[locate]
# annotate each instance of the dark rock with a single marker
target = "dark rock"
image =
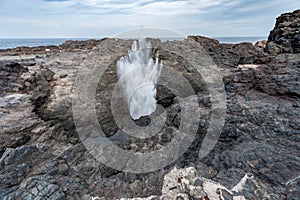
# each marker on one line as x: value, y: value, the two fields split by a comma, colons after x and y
x: 17, y: 121
x: 10, y: 78
x: 15, y: 165
x: 295, y: 43
x: 69, y: 45
x: 205, y: 42
x: 77, y: 44
x: 143, y: 121
x: 285, y: 36
x: 41, y: 88
x: 273, y: 48
x: 226, y: 55
x: 165, y: 97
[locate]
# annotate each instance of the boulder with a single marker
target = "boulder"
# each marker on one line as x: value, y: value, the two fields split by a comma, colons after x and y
x: 285, y: 37
x: 261, y: 44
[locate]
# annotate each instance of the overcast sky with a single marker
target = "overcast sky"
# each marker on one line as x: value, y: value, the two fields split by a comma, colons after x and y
x: 101, y: 18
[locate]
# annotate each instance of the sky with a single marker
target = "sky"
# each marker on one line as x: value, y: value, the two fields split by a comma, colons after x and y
x: 107, y: 18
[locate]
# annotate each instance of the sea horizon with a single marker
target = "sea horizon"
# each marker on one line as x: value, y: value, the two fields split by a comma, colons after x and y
x: 6, y: 43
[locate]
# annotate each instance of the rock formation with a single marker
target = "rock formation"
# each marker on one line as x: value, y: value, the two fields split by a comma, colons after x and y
x: 285, y: 37
x: 42, y: 157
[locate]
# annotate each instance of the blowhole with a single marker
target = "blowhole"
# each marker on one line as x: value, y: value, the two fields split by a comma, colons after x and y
x: 143, y: 121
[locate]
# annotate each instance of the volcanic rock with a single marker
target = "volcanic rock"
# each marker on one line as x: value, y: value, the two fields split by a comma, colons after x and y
x: 285, y: 37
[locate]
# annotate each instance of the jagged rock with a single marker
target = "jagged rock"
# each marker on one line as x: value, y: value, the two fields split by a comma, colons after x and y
x: 187, y: 183
x: 17, y: 121
x: 226, y: 55
x: 285, y: 37
x: 206, y: 42
x: 273, y: 48
x: 39, y: 188
x: 69, y: 45
x: 85, y: 44
x: 9, y: 77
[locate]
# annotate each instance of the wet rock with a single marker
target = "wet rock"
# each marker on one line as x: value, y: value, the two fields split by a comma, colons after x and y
x: 165, y: 97
x: 15, y: 165
x: 17, y: 121
x: 39, y: 188
x: 9, y: 78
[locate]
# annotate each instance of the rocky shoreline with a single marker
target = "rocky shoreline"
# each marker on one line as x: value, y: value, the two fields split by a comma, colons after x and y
x: 256, y: 157
x: 69, y: 45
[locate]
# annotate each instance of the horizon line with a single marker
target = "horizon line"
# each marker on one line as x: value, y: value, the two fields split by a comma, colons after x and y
x: 129, y: 37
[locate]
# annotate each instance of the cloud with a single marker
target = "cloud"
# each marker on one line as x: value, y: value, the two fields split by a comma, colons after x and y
x: 143, y: 7
x: 175, y: 8
x: 97, y: 18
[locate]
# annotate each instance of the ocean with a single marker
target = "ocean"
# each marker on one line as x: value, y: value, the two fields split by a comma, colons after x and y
x: 240, y: 39
x: 31, y: 42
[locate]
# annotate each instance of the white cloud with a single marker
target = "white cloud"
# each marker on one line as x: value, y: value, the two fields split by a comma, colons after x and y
x: 175, y: 7
x: 96, y: 18
x: 147, y: 7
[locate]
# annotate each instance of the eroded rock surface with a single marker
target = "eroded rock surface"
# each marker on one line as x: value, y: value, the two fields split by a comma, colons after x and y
x: 285, y: 37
